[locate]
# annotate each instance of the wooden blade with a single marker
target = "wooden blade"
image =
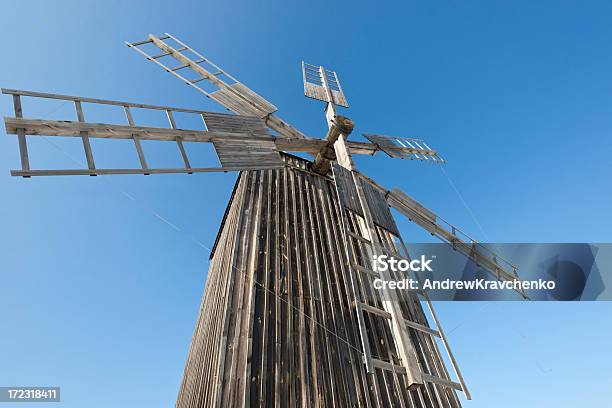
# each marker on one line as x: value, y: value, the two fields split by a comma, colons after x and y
x: 318, y: 81
x: 241, y: 142
x: 404, y: 148
x: 229, y: 92
x: 502, y: 269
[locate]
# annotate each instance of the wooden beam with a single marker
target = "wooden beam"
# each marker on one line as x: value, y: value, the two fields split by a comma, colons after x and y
x: 36, y: 127
x: 85, y: 136
x: 141, y: 156
x: 136, y: 139
x: 87, y: 172
x: 451, y: 235
x: 401, y: 336
x: 23, y: 146
x: 179, y: 142
x: 33, y: 94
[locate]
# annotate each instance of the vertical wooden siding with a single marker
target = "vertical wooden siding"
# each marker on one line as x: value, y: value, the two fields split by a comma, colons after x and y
x: 277, y: 327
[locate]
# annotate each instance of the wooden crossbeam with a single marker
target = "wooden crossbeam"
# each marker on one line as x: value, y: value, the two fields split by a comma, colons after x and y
x: 84, y: 99
x: 99, y: 172
x: 40, y: 127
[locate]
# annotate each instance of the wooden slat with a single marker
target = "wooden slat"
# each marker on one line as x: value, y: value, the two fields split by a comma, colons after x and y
x: 141, y: 156
x: 277, y: 326
x: 381, y: 215
x: 171, y: 120
x: 136, y: 139
x: 236, y: 96
x: 247, y: 153
x: 85, y: 137
x: 401, y: 337
x: 420, y: 327
x: 36, y: 127
x: 430, y: 222
x: 96, y: 100
x: 228, y: 95
x: 367, y: 271
x: 318, y: 91
x: 235, y: 124
x: 405, y: 148
x: 99, y: 171
x: 179, y: 142
x: 446, y: 345
x: 346, y: 188
x: 385, y: 365
x: 23, y: 146
x: 441, y: 381
x: 375, y: 310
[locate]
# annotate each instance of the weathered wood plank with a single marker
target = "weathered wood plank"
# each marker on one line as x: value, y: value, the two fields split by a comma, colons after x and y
x: 99, y: 171
x: 21, y: 135
x: 85, y: 137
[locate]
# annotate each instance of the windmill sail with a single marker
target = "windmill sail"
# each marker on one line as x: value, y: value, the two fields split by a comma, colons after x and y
x: 502, y: 269
x: 227, y: 90
x: 241, y: 142
x: 405, y: 148
x: 318, y: 80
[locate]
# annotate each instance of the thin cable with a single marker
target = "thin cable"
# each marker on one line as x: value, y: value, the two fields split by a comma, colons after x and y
x: 467, y: 207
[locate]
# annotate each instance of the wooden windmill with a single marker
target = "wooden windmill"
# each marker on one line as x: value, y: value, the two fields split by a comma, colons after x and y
x: 290, y: 316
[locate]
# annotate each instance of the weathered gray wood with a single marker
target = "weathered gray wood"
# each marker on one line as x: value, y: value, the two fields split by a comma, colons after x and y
x: 316, y: 84
x: 85, y: 137
x: 450, y: 234
x: 171, y: 120
x: 96, y: 100
x: 247, y: 153
x: 99, y: 171
x: 405, y: 148
x: 67, y: 128
x: 401, y: 336
x: 23, y: 146
x: 179, y: 142
x: 37, y: 127
x: 451, y: 356
x: 136, y: 139
x: 236, y: 95
x: 278, y: 280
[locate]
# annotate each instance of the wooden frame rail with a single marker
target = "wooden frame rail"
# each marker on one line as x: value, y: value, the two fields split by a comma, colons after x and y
x: 501, y: 268
x: 219, y: 127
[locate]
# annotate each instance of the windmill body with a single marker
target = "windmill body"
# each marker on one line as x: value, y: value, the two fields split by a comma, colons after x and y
x: 290, y: 316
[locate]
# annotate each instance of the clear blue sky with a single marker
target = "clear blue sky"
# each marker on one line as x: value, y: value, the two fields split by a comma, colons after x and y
x: 99, y: 296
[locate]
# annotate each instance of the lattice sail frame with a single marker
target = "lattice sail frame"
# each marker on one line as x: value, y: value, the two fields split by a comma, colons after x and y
x: 241, y: 142
x: 317, y: 79
x: 405, y: 148
x: 226, y: 89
